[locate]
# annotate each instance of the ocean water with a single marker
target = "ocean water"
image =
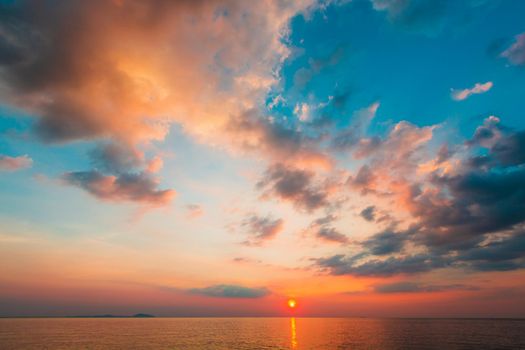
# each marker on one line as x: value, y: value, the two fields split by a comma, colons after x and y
x: 260, y: 333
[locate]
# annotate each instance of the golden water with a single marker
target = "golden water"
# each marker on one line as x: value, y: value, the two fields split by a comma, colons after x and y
x: 260, y: 333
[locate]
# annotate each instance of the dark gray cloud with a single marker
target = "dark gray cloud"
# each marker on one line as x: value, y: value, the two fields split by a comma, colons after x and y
x: 501, y: 255
x: 386, y: 242
x: 510, y: 150
x: 294, y: 185
x: 230, y: 291
x: 331, y: 234
x: 260, y: 229
x: 41, y: 55
x: 137, y: 187
x: 322, y: 229
x: 413, y: 287
x: 369, y: 213
x: 353, y: 265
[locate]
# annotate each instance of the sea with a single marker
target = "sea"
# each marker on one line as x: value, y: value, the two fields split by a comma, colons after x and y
x: 260, y: 333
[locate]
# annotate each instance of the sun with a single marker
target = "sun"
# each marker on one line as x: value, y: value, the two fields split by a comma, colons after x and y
x: 292, y: 303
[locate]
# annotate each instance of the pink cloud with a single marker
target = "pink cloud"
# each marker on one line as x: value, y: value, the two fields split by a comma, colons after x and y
x: 15, y: 163
x: 478, y: 88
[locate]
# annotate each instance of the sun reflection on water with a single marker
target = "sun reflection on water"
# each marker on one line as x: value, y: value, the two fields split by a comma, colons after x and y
x: 294, y: 333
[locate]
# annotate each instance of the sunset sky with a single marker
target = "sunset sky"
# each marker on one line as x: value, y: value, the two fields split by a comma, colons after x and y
x: 216, y: 158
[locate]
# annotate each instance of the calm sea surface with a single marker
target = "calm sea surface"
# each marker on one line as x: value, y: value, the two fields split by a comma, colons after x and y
x: 260, y: 333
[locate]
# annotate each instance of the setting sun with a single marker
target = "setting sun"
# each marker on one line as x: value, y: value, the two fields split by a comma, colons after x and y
x: 292, y: 303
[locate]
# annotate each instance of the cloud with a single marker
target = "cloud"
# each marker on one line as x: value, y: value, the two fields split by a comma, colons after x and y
x: 322, y: 229
x: 500, y: 255
x: 488, y: 133
x: 466, y: 213
x: 430, y: 16
x: 121, y: 174
x: 116, y: 157
x: 413, y: 287
x: 106, y: 76
x: 127, y: 70
x: 138, y: 187
x: 261, y: 229
x: 315, y: 65
x: 368, y: 213
x: 8, y: 163
x: 386, y: 242
x: 331, y: 234
x: 414, y: 14
x: 303, y: 112
x: 516, y: 52
x: 351, y: 136
x: 350, y: 265
x: 478, y: 88
x: 294, y: 185
x: 277, y: 142
x: 230, y: 291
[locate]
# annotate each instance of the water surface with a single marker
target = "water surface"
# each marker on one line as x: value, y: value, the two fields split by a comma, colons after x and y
x: 260, y: 333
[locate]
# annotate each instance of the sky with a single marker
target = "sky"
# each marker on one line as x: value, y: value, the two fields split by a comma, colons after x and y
x: 216, y: 158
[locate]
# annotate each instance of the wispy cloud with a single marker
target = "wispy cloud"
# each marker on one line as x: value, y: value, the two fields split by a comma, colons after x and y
x: 261, y: 229
x: 478, y: 88
x: 516, y: 52
x: 8, y: 163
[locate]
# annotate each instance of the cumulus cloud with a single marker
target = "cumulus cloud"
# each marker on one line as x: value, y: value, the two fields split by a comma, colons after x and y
x: 261, y: 229
x: 468, y: 216
x: 8, y: 163
x: 516, y: 52
x: 299, y: 187
x: 121, y: 173
x: 252, y: 132
x: 478, y: 88
x: 230, y: 291
x: 126, y: 69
